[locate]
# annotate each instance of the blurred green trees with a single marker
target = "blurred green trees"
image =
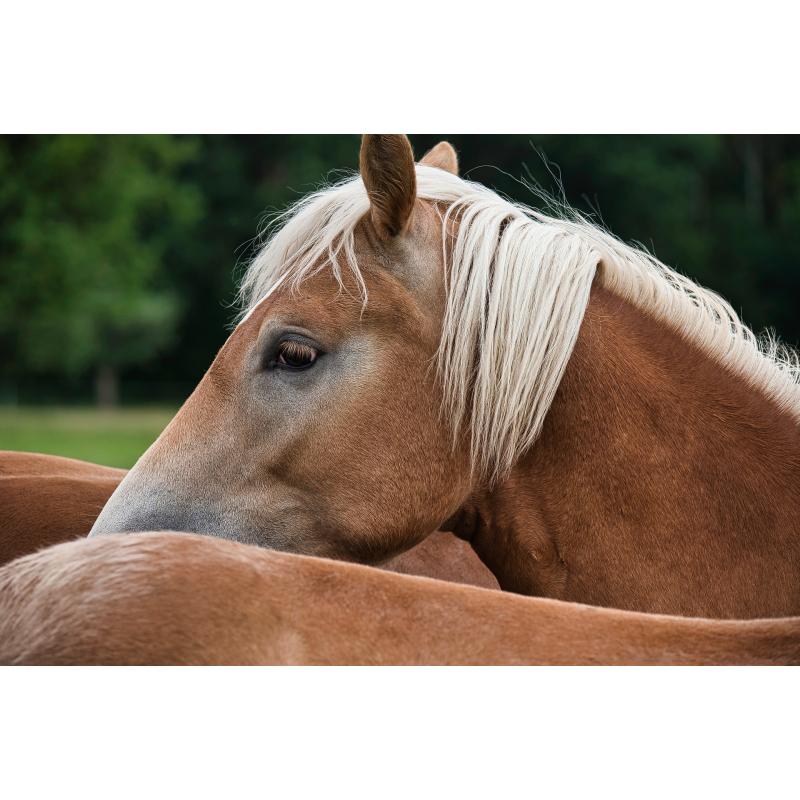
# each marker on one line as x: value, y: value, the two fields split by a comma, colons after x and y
x: 85, y: 225
x: 118, y: 253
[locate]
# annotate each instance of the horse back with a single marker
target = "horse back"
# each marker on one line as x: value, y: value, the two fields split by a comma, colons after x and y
x: 46, y: 500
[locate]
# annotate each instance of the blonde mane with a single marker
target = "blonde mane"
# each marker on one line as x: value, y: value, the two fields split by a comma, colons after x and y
x: 518, y: 284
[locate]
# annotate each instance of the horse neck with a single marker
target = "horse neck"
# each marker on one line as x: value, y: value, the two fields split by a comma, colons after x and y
x: 655, y: 462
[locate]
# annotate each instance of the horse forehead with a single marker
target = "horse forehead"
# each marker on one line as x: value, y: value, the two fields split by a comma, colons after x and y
x: 323, y: 307
x: 396, y: 278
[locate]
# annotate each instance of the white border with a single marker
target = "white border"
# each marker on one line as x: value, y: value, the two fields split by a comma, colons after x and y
x: 405, y: 733
x: 180, y: 67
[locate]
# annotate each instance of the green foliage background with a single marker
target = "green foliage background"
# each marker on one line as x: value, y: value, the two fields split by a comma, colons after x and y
x: 120, y: 251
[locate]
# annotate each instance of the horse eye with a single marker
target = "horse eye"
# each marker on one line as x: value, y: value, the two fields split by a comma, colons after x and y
x: 295, y: 355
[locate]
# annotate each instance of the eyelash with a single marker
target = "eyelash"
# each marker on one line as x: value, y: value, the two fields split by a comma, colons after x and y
x: 290, y: 350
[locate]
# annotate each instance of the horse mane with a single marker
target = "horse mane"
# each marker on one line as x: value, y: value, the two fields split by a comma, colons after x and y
x: 518, y: 283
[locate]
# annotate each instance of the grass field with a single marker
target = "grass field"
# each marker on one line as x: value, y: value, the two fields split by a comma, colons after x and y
x: 116, y: 437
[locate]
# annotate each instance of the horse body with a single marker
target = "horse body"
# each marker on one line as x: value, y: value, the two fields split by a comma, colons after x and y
x: 660, y: 482
x: 418, y: 353
x: 167, y: 598
x: 46, y: 500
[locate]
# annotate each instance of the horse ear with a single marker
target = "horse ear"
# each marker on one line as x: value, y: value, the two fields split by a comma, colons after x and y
x: 442, y: 156
x: 387, y: 168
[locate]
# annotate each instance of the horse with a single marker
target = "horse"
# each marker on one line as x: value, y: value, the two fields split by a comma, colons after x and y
x: 178, y: 598
x: 46, y: 500
x: 416, y: 352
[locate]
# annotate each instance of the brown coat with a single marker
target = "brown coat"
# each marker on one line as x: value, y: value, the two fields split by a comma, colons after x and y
x: 168, y: 598
x: 45, y: 500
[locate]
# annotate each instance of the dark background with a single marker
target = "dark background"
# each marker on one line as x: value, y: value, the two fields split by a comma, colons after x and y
x: 118, y: 254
